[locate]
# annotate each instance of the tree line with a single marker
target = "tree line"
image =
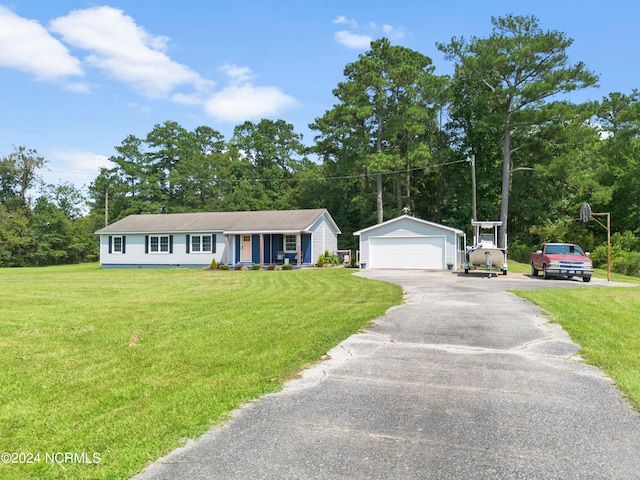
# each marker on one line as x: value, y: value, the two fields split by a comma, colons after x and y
x: 49, y: 230
x: 397, y: 139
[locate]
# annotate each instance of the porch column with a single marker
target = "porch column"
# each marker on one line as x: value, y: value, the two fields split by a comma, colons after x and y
x: 226, y: 249
x: 299, y: 247
x: 261, y: 260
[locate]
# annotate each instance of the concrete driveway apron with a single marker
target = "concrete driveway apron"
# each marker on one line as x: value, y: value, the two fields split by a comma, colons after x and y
x: 463, y: 381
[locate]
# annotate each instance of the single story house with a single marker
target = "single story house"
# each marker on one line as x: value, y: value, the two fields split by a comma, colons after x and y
x: 298, y: 237
x: 408, y: 242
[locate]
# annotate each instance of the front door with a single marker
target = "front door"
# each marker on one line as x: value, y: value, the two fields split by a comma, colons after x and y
x: 245, y: 248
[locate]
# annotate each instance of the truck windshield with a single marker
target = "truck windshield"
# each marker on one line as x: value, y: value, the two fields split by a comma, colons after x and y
x: 564, y: 250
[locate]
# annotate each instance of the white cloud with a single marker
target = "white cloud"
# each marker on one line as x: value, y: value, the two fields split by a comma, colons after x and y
x: 123, y: 50
x: 126, y: 51
x: 75, y: 166
x: 236, y: 73
x: 392, y: 32
x: 238, y: 103
x: 353, y: 40
x: 27, y: 46
x: 342, y: 20
x: 77, y: 88
x: 240, y: 100
x: 189, y: 98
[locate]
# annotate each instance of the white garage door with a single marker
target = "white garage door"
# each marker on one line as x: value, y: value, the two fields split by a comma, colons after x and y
x: 407, y: 252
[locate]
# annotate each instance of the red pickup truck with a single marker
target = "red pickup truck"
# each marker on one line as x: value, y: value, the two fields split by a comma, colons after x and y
x: 561, y: 259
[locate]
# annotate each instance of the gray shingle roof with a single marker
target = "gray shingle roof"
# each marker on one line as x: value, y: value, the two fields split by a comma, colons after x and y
x: 255, y: 221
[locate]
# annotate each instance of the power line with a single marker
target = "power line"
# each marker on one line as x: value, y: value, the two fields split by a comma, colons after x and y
x: 298, y: 179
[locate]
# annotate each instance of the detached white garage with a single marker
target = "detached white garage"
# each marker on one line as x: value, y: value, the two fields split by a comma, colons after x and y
x: 407, y: 242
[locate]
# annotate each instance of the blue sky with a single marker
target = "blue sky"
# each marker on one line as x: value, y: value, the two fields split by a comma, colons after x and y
x: 78, y: 76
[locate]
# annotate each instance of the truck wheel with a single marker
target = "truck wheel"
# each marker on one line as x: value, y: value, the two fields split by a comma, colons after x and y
x: 534, y: 271
x: 544, y: 271
x: 586, y: 279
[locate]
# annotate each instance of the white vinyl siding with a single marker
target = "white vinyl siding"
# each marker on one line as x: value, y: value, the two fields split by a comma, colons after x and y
x: 324, y: 238
x: 137, y: 253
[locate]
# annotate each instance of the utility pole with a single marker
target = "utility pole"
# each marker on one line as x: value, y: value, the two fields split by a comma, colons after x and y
x: 106, y: 209
x: 379, y: 197
x: 379, y: 175
x: 473, y: 187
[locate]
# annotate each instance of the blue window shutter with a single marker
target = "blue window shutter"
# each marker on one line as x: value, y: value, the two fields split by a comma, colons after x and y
x: 213, y: 243
x: 170, y: 243
x: 110, y: 243
x: 188, y: 243
x: 124, y: 244
x: 146, y: 244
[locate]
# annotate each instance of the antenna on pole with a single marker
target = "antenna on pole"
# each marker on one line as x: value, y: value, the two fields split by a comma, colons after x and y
x: 106, y: 208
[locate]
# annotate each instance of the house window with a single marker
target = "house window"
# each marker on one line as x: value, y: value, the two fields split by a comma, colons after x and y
x: 159, y: 244
x: 117, y: 244
x: 206, y: 243
x: 290, y: 243
x: 202, y: 243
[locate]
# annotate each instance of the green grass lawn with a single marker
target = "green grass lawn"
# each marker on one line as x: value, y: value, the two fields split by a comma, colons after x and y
x: 129, y: 364
x: 605, y: 322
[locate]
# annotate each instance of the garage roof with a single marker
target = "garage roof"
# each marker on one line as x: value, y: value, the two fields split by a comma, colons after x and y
x: 409, y: 217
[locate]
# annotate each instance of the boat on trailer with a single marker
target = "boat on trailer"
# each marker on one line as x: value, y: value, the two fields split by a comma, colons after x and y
x: 485, y: 253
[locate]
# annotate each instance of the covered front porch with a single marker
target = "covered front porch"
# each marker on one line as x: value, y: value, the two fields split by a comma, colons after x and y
x: 268, y: 248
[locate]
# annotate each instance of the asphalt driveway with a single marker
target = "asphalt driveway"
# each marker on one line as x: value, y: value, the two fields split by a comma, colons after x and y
x: 463, y: 381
